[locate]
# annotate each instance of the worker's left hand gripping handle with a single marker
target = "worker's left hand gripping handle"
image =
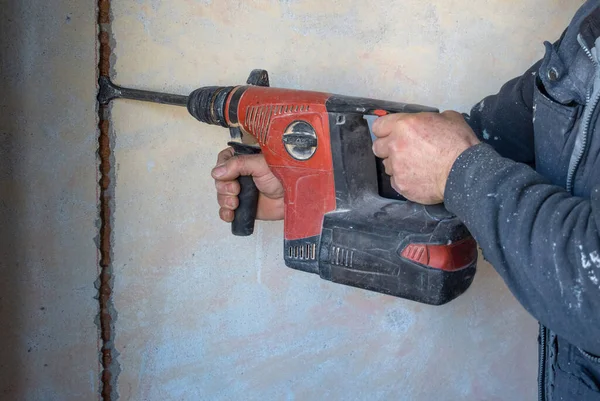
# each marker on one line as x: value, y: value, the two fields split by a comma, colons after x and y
x: 245, y: 214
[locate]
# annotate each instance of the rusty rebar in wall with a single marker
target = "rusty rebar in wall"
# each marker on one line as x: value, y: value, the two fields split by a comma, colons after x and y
x: 104, y: 153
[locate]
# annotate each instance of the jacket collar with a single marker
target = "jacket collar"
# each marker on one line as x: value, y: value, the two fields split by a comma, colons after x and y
x: 590, y: 28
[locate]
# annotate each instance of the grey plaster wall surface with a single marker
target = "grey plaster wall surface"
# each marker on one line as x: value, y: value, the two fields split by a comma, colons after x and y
x: 203, y: 315
x: 48, y: 207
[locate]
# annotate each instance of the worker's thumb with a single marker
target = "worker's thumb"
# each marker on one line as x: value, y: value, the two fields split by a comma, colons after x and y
x: 254, y: 165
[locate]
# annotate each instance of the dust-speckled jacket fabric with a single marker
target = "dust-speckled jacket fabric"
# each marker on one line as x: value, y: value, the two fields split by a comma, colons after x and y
x: 530, y: 195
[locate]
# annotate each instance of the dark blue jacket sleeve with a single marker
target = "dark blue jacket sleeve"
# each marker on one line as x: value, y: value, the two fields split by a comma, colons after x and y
x: 505, y: 120
x: 543, y: 241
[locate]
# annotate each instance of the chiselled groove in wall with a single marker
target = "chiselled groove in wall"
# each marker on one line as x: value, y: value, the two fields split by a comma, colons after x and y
x: 106, y: 190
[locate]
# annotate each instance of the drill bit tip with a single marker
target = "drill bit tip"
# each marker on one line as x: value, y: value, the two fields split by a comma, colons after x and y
x: 107, y: 90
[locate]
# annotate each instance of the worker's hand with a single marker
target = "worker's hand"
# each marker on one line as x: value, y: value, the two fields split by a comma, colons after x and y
x: 229, y: 168
x: 418, y: 151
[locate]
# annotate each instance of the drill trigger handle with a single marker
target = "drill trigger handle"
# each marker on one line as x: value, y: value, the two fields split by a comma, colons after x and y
x: 245, y: 214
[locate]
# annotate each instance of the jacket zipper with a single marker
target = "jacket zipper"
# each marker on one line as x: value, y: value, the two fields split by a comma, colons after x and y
x: 587, y: 355
x: 542, y: 365
x: 590, y: 107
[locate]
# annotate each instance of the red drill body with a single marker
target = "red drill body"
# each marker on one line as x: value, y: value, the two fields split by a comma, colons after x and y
x: 342, y: 220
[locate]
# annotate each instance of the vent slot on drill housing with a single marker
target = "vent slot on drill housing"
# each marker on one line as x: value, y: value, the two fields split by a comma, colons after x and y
x: 306, y: 251
x: 341, y: 256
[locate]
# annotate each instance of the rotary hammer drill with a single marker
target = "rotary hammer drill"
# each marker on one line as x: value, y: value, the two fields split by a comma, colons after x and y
x: 342, y: 218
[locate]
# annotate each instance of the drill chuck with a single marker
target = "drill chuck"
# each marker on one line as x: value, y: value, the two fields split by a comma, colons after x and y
x: 207, y: 104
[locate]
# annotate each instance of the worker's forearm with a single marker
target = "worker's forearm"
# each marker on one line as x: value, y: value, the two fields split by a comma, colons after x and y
x: 543, y: 241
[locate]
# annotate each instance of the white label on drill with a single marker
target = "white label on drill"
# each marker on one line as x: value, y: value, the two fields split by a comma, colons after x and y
x: 370, y: 120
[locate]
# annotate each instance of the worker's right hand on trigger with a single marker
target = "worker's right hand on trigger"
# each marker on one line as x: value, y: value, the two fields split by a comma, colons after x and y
x: 226, y: 172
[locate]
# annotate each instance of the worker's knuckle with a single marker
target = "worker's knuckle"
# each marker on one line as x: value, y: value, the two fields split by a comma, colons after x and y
x: 236, y: 163
x: 385, y: 120
x: 397, y: 165
x: 257, y: 164
x: 225, y: 214
x: 244, y: 165
x: 221, y: 154
x: 395, y: 118
x: 377, y: 124
x: 226, y: 187
x: 220, y: 186
x: 376, y: 147
x: 395, y: 145
x: 224, y: 155
x: 228, y: 201
x: 410, y: 120
x: 233, y: 188
x: 451, y: 114
x: 398, y: 185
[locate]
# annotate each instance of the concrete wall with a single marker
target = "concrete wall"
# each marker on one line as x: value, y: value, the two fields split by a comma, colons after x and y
x: 48, y: 209
x: 201, y: 314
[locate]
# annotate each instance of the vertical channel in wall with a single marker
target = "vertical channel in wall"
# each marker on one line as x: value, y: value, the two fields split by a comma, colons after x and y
x: 106, y: 186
